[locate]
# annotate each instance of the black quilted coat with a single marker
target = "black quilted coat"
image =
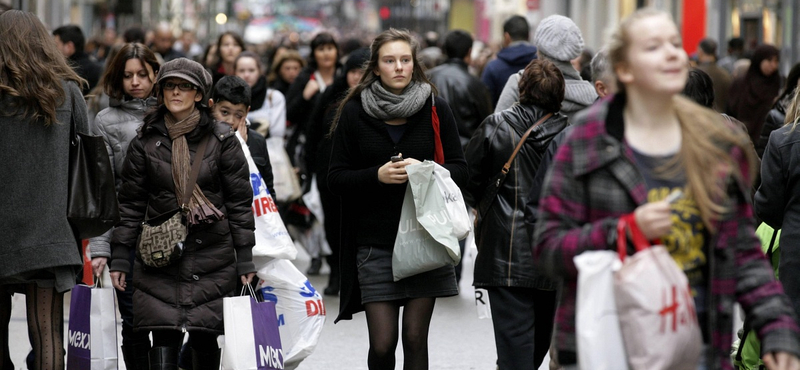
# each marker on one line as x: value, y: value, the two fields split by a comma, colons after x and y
x: 188, y: 294
x: 504, y: 247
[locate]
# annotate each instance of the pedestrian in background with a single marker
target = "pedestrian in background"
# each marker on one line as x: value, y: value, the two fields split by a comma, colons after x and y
x: 70, y: 42
x: 752, y: 95
x: 707, y: 62
x: 388, y: 114
x: 40, y: 99
x: 285, y: 69
x: 267, y: 113
x: 523, y: 300
x: 776, y: 117
x: 229, y: 45
x: 517, y: 52
x: 128, y: 81
x: 623, y: 158
x: 185, y: 296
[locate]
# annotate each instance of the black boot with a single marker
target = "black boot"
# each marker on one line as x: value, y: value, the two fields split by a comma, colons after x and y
x: 136, y: 356
x: 316, y: 265
x: 205, y: 360
x: 163, y: 358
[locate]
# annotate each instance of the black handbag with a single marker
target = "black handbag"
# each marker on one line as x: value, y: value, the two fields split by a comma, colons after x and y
x: 497, y: 181
x: 161, y: 240
x: 92, y: 207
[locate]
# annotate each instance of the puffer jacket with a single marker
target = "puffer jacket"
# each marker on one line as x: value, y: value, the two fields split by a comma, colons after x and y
x: 467, y: 96
x: 117, y: 124
x: 186, y: 295
x: 774, y: 121
x: 504, y: 253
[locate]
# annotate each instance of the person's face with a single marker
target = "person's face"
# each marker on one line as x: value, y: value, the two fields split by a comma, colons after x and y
x: 655, y: 61
x: 180, y: 96
x: 229, y: 49
x: 227, y: 112
x: 325, y: 55
x: 289, y: 70
x: 163, y: 41
x: 395, y: 66
x: 247, y: 69
x: 137, y: 80
x: 769, y: 66
x: 353, y: 76
x: 66, y: 49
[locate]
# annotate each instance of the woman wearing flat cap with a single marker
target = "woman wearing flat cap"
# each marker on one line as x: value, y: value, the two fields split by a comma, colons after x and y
x: 186, y: 295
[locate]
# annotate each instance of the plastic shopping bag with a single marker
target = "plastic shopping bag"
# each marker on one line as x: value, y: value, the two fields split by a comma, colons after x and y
x: 252, y: 340
x: 92, y: 334
x: 656, y: 308
x: 287, y: 185
x: 454, y: 202
x: 597, y: 330
x: 424, y: 239
x: 300, y: 309
x: 272, y: 239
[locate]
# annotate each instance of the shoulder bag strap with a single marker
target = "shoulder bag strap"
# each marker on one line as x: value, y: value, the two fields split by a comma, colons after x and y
x: 507, y: 166
x: 198, y: 159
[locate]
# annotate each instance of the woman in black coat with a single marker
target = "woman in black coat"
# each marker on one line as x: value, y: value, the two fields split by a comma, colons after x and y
x: 185, y: 296
x: 523, y: 301
x: 389, y: 113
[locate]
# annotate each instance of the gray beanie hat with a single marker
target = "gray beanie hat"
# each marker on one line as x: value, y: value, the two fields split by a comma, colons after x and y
x: 188, y: 70
x: 558, y: 38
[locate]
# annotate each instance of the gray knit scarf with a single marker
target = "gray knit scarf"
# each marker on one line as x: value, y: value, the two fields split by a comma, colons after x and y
x: 381, y: 104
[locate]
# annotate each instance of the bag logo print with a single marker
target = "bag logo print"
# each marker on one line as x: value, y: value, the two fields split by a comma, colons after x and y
x: 672, y: 309
x: 79, y: 339
x: 270, y: 357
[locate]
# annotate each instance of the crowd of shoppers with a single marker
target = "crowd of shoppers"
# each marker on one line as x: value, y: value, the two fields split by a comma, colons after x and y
x: 581, y: 155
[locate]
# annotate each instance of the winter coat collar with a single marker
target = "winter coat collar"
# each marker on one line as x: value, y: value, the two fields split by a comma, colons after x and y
x: 133, y: 104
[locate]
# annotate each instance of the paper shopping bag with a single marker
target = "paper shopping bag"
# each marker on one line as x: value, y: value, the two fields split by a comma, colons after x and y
x: 656, y: 308
x: 597, y: 330
x: 252, y: 340
x: 92, y: 333
x: 272, y: 239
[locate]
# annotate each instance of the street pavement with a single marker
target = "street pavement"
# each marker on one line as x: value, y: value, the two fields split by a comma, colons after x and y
x: 457, y: 340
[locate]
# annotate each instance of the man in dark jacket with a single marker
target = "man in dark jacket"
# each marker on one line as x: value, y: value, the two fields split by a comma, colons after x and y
x: 516, y: 54
x: 70, y: 41
x: 467, y: 96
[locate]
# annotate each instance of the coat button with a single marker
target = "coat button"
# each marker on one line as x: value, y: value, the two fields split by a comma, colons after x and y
x: 158, y: 143
x: 198, y: 241
x: 195, y: 277
x: 609, y: 148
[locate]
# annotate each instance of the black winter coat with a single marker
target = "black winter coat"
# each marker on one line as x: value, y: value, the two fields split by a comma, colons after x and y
x: 774, y: 121
x: 504, y: 253
x: 188, y: 294
x: 468, y: 97
x: 371, y: 209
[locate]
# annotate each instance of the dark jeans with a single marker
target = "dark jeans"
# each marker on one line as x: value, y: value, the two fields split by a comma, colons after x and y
x: 523, y: 325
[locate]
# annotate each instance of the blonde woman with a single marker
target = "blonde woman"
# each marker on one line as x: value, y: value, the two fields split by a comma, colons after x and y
x: 624, y: 157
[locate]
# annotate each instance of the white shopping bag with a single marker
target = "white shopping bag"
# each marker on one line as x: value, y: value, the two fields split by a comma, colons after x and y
x: 92, y: 334
x: 597, y: 330
x: 482, y: 303
x: 287, y: 185
x: 252, y: 340
x: 272, y: 239
x: 454, y: 202
x: 301, y: 311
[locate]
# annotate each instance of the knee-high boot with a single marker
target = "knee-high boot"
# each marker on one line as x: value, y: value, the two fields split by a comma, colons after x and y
x: 163, y: 358
x: 136, y: 356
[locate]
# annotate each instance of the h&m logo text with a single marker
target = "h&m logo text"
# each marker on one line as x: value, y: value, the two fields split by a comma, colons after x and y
x: 673, y: 313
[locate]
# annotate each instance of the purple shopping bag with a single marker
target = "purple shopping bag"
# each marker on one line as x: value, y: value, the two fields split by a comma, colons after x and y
x: 252, y: 339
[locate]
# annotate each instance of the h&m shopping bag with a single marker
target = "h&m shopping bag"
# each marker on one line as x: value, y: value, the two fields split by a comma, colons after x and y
x: 454, y: 202
x: 272, y: 239
x: 92, y: 334
x: 425, y: 240
x: 300, y: 309
x: 655, y: 305
x: 597, y: 330
x: 252, y: 340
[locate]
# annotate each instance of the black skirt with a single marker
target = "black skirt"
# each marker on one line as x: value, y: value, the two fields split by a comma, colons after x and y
x: 377, y: 284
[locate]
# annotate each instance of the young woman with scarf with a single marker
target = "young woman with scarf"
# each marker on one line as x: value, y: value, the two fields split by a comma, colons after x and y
x: 389, y: 113
x: 185, y: 296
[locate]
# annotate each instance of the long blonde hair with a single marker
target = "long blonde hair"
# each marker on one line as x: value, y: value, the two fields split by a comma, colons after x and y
x: 706, y: 142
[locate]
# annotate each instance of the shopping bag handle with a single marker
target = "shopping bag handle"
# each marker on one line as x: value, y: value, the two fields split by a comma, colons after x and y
x: 640, y: 243
x: 247, y: 288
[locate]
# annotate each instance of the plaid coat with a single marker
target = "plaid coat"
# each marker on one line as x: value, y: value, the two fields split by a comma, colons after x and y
x: 593, y: 181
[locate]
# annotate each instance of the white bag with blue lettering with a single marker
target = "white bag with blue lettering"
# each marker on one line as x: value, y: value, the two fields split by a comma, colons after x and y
x: 300, y: 308
x: 272, y: 239
x: 92, y: 335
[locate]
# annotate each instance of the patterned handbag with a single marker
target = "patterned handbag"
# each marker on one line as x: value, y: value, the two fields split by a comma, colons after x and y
x: 161, y: 240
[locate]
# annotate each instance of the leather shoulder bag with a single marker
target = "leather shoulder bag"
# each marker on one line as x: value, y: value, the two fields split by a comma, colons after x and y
x: 161, y: 240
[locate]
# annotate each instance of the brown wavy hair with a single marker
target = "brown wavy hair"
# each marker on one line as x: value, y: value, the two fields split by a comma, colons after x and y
x: 706, y: 140
x: 390, y: 35
x: 115, y: 70
x: 542, y: 85
x: 32, y: 69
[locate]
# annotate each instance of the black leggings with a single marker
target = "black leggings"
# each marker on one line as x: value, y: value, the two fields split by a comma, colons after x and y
x: 382, y: 323
x: 202, y: 342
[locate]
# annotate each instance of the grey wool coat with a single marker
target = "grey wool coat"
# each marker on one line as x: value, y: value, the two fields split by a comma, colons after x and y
x: 33, y: 206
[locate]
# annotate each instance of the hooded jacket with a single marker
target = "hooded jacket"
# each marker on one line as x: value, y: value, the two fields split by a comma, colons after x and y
x: 186, y: 295
x: 578, y: 94
x: 508, y: 61
x: 504, y: 254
